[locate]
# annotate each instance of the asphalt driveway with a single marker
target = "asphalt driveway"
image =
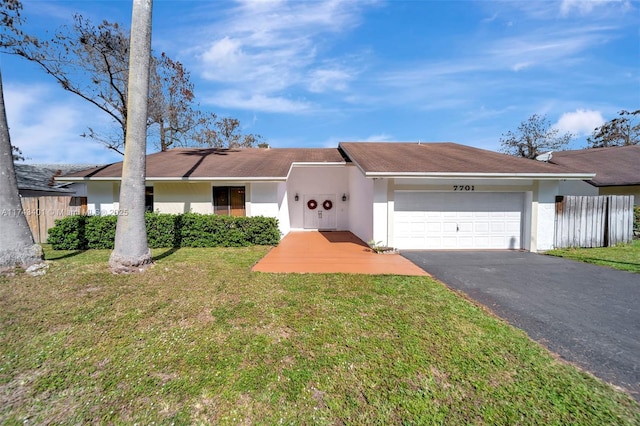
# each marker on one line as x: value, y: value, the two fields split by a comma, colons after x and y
x: 589, y: 315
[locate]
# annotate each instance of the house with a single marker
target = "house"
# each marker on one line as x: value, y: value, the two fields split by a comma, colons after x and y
x: 617, y: 171
x: 405, y: 195
x: 44, y: 199
x: 38, y: 180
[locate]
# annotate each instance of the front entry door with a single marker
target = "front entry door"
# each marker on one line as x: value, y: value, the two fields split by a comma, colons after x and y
x: 320, y: 211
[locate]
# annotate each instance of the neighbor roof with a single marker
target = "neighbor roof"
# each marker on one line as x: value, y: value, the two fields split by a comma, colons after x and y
x: 41, y: 177
x: 614, y: 166
x: 208, y: 163
x: 445, y: 159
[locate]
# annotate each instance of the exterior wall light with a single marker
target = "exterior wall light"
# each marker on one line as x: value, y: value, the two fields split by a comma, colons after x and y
x: 296, y: 197
x: 344, y: 197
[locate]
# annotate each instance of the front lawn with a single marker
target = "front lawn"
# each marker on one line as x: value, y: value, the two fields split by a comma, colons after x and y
x: 199, y: 338
x: 624, y: 257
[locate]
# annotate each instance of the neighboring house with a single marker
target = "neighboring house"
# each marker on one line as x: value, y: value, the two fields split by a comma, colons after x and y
x: 405, y: 195
x: 617, y: 171
x: 44, y: 199
x: 38, y: 180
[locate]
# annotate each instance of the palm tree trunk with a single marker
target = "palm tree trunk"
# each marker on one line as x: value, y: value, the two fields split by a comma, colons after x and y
x: 17, y: 247
x: 131, y: 252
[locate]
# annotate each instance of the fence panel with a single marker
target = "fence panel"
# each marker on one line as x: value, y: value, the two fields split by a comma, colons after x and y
x: 620, y: 219
x: 42, y: 212
x: 593, y: 221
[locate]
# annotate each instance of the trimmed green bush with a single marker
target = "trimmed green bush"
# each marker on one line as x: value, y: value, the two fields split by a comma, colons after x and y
x: 200, y: 230
x: 260, y: 230
x: 68, y: 233
x: 100, y: 231
x: 167, y: 230
x: 163, y: 230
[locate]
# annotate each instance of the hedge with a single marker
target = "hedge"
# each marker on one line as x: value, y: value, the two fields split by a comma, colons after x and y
x: 167, y: 230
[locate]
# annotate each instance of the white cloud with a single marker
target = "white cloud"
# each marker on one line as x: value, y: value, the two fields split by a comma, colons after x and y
x: 262, y: 48
x: 520, y: 66
x: 258, y: 102
x: 48, y: 130
x: 324, y: 80
x: 548, y: 49
x: 333, y: 142
x: 581, y: 122
x: 381, y: 137
x: 226, y: 51
x: 585, y: 7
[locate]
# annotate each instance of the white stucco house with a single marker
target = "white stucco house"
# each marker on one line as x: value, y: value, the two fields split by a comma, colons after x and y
x: 405, y: 195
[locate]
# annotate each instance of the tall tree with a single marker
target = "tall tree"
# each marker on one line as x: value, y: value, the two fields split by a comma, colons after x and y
x: 620, y: 131
x: 226, y: 134
x: 17, y: 247
x: 131, y: 251
x: 533, y: 137
x: 92, y: 62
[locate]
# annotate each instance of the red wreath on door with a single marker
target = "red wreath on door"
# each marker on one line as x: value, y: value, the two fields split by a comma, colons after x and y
x: 327, y: 205
x: 312, y: 204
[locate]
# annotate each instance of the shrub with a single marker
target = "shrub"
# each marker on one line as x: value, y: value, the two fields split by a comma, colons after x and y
x: 68, y: 233
x: 163, y: 230
x: 260, y: 230
x: 100, y: 231
x: 199, y: 230
x: 167, y: 230
x: 636, y: 221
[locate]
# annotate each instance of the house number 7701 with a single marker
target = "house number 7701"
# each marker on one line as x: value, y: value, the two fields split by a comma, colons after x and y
x: 464, y: 188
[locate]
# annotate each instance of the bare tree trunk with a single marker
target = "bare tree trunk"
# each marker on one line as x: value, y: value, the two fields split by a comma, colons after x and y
x: 131, y: 252
x: 17, y: 247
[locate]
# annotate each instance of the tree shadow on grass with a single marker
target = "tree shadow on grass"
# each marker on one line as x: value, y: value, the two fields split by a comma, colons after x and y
x: 59, y: 256
x: 625, y: 266
x: 168, y: 252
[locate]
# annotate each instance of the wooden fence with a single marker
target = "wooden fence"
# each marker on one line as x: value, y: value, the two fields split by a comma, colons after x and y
x: 42, y: 212
x: 593, y: 221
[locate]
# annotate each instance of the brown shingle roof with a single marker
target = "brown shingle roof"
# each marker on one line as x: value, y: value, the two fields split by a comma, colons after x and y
x: 614, y: 166
x: 372, y: 157
x: 222, y: 163
x: 444, y: 157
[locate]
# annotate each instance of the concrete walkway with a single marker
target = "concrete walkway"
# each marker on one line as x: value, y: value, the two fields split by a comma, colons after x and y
x: 332, y: 252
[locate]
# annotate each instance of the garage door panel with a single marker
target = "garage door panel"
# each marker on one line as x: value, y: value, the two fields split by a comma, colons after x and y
x: 449, y: 242
x: 449, y: 227
x: 497, y: 227
x: 464, y: 227
x: 418, y: 227
x: 481, y: 227
x: 458, y: 220
x: 434, y: 227
x: 482, y: 241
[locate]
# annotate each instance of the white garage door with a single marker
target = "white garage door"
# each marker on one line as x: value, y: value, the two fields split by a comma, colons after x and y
x: 458, y: 220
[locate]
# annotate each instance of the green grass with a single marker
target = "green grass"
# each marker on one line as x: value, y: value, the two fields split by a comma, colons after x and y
x: 199, y: 338
x: 625, y: 257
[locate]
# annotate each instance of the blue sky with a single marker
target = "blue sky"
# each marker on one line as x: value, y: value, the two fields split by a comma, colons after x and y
x: 315, y: 73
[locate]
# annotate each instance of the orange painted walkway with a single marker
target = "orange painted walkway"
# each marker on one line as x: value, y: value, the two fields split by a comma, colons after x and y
x: 332, y: 252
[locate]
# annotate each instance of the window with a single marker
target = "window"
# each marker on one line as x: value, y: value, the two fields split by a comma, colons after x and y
x: 229, y: 200
x: 148, y: 198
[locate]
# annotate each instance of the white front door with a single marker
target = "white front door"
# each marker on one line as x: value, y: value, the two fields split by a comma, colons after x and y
x: 320, y: 211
